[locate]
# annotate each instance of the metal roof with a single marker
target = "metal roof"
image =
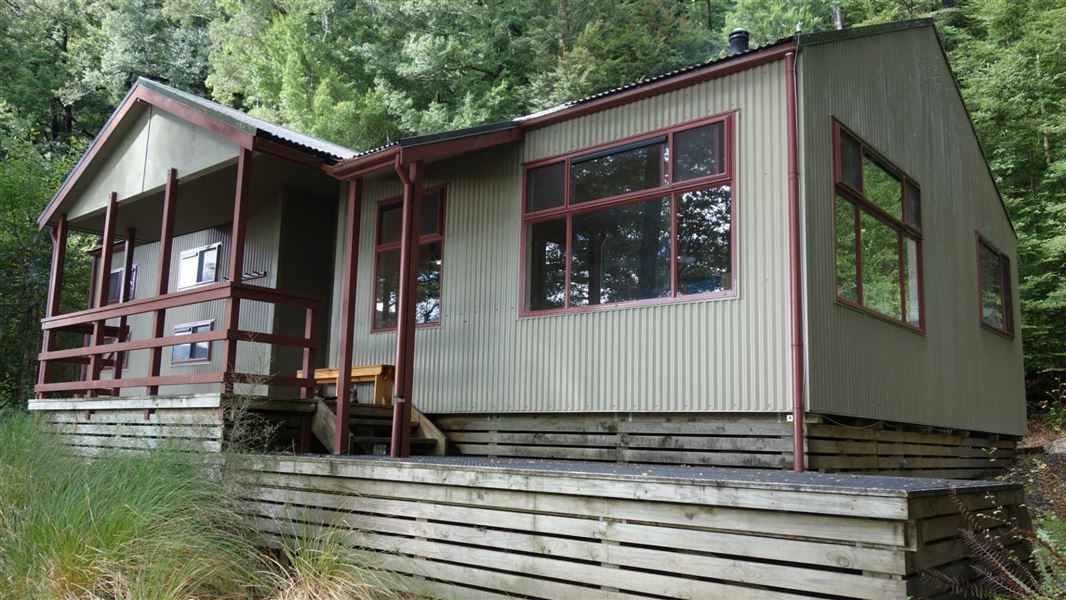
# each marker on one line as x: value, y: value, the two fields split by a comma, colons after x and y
x: 252, y: 125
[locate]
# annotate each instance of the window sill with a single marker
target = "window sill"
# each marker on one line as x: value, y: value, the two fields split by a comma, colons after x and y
x: 1003, y: 333
x: 418, y: 326
x: 879, y: 316
x: 190, y: 363
x: 554, y: 312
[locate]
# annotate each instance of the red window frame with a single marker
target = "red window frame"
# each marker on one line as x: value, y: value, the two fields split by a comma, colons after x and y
x: 904, y: 231
x: 672, y: 189
x: 1006, y: 295
x: 423, y: 240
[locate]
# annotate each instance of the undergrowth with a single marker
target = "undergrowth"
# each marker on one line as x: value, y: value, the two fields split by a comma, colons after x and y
x: 158, y: 525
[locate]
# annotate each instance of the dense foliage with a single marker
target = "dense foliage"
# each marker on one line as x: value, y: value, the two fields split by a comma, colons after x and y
x: 363, y: 72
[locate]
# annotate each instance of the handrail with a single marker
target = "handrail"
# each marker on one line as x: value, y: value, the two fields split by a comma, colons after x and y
x: 230, y: 333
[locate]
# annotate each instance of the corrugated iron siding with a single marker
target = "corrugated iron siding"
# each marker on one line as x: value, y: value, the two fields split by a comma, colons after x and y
x: 896, y: 92
x: 719, y: 355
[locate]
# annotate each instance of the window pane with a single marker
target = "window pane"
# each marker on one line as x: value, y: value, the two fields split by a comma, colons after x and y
x: 1008, y: 302
x: 698, y: 152
x: 427, y: 301
x: 386, y: 289
x: 847, y: 278
x: 114, y: 284
x: 209, y: 266
x: 881, y: 188
x: 181, y: 353
x: 880, y: 267
x: 545, y: 186
x: 626, y: 170
x: 546, y: 265
x: 390, y: 222
x: 703, y: 241
x: 188, y: 269
x: 914, y: 307
x: 428, y: 219
x: 991, y: 288
x: 912, y: 210
x: 621, y: 253
x: 850, y: 161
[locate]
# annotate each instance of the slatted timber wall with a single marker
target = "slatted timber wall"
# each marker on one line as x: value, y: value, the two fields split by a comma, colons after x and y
x: 464, y: 532
x: 730, y: 440
x: 90, y: 431
x: 696, y: 439
x: 876, y: 449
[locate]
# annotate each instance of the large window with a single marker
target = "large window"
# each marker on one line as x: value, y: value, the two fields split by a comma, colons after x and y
x: 994, y: 284
x: 196, y: 352
x: 387, y: 260
x: 198, y: 266
x: 878, y: 233
x: 646, y: 220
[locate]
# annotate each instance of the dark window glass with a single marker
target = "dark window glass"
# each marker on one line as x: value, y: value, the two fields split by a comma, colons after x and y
x: 912, y: 205
x: 704, y: 229
x: 880, y: 267
x: 390, y: 223
x: 198, y: 351
x: 882, y: 188
x: 545, y: 186
x: 546, y: 253
x: 910, y: 261
x: 616, y: 172
x: 992, y: 305
x: 621, y: 253
x: 699, y: 152
x: 427, y: 294
x: 847, y: 274
x: 850, y: 161
x: 429, y: 219
x: 114, y: 286
x: 386, y: 289
x: 1008, y: 301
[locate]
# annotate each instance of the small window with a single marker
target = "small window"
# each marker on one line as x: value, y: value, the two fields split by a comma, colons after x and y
x: 615, y: 225
x: 198, y: 266
x: 877, y: 223
x: 430, y: 261
x: 114, y: 284
x: 197, y: 352
x: 994, y: 284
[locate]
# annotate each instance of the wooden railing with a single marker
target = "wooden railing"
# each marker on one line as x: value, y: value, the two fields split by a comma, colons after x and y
x: 93, y: 323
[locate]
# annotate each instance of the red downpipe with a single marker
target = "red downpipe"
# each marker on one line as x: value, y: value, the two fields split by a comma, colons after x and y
x: 405, y: 339
x: 795, y: 290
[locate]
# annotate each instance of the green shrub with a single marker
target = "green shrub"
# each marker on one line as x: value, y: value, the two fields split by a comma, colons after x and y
x: 151, y: 526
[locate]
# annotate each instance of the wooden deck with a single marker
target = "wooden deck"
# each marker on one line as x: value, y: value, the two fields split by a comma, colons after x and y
x: 466, y: 527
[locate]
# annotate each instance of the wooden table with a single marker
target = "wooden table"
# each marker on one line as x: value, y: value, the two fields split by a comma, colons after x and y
x: 380, y: 375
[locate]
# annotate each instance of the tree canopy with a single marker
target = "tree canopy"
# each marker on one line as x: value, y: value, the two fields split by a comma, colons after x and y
x: 365, y: 72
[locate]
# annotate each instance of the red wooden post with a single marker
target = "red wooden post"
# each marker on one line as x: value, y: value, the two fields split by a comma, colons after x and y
x: 55, y: 294
x: 124, y: 296
x: 348, y: 281
x: 236, y: 264
x: 405, y: 332
x: 166, y: 244
x: 308, y: 391
x: 107, y: 249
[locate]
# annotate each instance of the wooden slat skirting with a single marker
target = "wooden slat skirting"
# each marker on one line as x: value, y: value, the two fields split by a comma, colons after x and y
x: 468, y: 531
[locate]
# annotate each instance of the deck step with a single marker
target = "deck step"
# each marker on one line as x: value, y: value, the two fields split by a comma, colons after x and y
x: 371, y: 425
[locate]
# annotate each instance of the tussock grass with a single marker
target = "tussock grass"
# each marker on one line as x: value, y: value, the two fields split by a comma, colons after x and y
x: 157, y: 525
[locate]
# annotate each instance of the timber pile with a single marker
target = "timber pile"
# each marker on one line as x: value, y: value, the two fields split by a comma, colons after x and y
x: 469, y: 528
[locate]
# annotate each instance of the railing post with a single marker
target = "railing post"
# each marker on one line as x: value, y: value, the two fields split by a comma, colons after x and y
x: 307, y: 392
x: 166, y: 245
x: 405, y: 333
x: 106, y: 252
x: 348, y: 281
x: 236, y: 266
x: 55, y: 294
x: 124, y: 296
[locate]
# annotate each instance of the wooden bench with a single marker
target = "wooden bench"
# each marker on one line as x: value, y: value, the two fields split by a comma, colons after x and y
x: 380, y: 375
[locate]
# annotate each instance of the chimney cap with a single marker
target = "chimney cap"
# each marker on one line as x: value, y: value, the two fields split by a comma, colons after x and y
x: 738, y: 40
